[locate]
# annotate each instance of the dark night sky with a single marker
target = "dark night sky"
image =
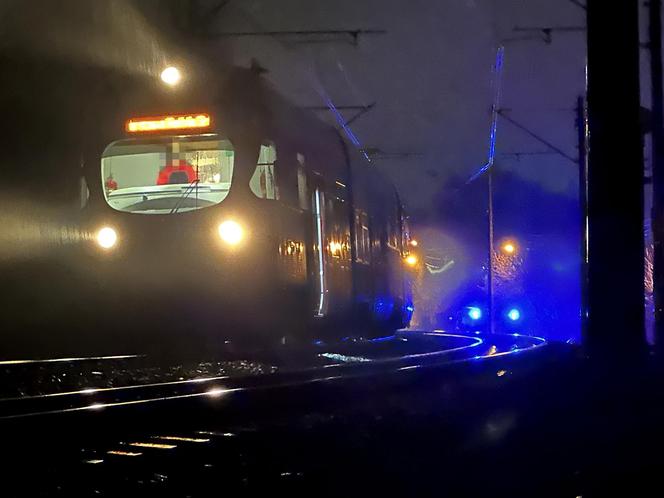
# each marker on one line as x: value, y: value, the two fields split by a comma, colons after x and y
x: 429, y: 75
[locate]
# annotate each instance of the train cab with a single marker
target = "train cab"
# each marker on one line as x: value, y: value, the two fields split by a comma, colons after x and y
x: 250, y: 218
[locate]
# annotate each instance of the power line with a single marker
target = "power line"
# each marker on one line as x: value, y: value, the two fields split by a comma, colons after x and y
x: 534, y: 135
x: 579, y: 4
x: 306, y: 35
x: 546, y: 32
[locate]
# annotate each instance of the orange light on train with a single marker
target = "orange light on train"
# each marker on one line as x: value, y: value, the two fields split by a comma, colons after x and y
x: 411, y: 260
x: 335, y: 248
x: 164, y: 123
x: 413, y: 242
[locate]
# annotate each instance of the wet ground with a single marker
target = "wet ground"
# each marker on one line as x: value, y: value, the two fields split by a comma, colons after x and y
x: 31, y: 387
x: 410, y: 415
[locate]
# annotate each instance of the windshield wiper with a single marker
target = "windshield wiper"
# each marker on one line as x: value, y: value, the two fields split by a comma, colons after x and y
x: 190, y: 188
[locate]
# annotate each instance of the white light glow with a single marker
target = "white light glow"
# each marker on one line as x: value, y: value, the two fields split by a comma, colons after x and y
x: 231, y: 232
x: 171, y: 76
x: 107, y: 238
x: 215, y: 392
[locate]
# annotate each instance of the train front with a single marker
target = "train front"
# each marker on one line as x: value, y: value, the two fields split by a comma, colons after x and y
x: 178, y: 250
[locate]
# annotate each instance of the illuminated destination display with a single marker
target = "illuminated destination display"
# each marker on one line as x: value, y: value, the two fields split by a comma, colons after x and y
x: 163, y: 123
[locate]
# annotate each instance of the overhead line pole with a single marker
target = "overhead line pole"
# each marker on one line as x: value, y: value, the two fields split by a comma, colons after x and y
x: 657, y: 122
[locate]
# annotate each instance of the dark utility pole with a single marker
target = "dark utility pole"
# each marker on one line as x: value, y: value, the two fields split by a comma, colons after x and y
x: 582, y: 134
x: 615, y: 184
x: 657, y: 165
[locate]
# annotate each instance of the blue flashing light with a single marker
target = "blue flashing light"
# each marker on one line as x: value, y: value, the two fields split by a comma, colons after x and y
x: 514, y: 314
x: 474, y: 313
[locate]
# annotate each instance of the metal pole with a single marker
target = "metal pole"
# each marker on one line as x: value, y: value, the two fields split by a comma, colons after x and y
x: 581, y: 126
x: 655, y: 29
x: 490, y: 283
x: 495, y: 108
x: 615, y: 185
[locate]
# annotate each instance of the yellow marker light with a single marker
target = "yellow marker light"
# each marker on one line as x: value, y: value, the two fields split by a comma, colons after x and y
x: 411, y: 260
x: 413, y: 243
x: 231, y: 232
x: 165, y: 123
x: 171, y: 76
x: 107, y: 238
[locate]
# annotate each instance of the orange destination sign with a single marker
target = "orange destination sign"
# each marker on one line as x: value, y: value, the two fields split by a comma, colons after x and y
x: 165, y: 123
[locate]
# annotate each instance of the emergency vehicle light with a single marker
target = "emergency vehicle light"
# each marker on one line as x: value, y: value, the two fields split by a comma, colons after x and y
x: 177, y: 122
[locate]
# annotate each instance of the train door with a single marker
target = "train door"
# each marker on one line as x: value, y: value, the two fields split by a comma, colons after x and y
x: 331, y: 251
x: 338, y: 250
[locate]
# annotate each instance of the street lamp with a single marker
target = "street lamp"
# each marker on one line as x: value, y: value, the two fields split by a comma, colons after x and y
x: 509, y: 247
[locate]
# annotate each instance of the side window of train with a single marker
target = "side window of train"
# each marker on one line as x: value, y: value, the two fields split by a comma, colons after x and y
x: 405, y: 234
x: 84, y: 192
x: 263, y: 183
x: 302, y: 189
x: 338, y: 232
x: 393, y: 229
x: 362, y: 240
x: 286, y: 175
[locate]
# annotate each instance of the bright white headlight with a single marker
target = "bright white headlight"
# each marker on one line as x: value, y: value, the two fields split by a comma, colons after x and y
x: 171, y: 76
x: 107, y: 238
x: 231, y: 232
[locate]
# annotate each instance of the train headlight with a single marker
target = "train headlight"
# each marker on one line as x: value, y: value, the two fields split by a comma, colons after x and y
x: 106, y: 238
x: 171, y: 76
x: 231, y: 232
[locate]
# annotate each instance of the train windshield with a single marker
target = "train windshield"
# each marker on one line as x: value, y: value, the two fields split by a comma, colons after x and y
x: 167, y: 175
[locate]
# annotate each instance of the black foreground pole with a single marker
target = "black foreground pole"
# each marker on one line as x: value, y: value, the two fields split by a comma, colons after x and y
x: 582, y: 136
x: 657, y: 123
x: 615, y: 301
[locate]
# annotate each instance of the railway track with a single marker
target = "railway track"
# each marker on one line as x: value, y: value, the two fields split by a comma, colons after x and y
x: 245, y: 430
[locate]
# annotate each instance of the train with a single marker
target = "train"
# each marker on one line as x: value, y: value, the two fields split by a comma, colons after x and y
x: 215, y: 210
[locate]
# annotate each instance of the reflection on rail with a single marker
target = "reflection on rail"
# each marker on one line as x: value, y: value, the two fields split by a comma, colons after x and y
x: 401, y: 352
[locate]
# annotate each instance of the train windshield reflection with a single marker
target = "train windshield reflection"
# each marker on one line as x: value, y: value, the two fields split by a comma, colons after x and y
x: 167, y: 174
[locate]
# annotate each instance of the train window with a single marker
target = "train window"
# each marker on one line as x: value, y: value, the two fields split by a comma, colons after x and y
x: 167, y: 174
x: 362, y: 240
x: 405, y: 234
x: 393, y: 228
x: 286, y: 171
x: 84, y: 192
x: 262, y: 182
x: 338, y: 231
x: 302, y: 191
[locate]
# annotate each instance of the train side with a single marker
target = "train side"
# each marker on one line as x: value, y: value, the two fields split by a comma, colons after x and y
x: 322, y: 257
